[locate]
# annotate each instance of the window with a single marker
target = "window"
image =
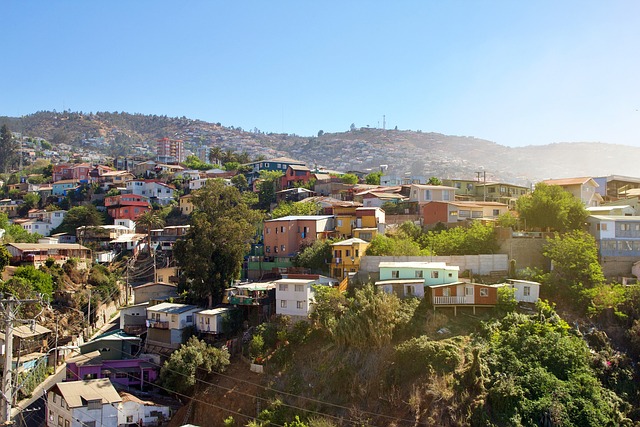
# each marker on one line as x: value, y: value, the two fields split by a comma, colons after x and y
x: 88, y: 424
x: 484, y: 292
x: 625, y: 227
x: 282, y: 248
x: 268, y: 249
x: 129, y: 418
x: 395, y: 274
x: 174, y: 318
x: 347, y: 253
x: 434, y: 274
x: 190, y: 319
x: 275, y: 249
x: 268, y: 230
x: 66, y: 423
x: 339, y: 223
x: 283, y: 287
x: 496, y: 212
x: 603, y: 227
x: 445, y: 195
x: 95, y: 404
x: 300, y: 305
x: 526, y: 291
x: 468, y: 291
x: 427, y: 194
x: 299, y: 288
x: 419, y: 274
x: 283, y: 303
x: 446, y: 292
x: 60, y: 420
x: 408, y: 290
x: 282, y: 229
x: 357, y: 253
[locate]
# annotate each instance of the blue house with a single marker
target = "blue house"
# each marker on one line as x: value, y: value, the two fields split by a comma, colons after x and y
x: 277, y: 164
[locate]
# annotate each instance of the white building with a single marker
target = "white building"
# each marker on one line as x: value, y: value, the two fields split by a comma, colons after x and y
x: 168, y: 322
x: 294, y: 295
x: 210, y: 321
x: 43, y: 222
x: 157, y: 191
x: 525, y: 290
x: 134, y: 411
x: 88, y: 403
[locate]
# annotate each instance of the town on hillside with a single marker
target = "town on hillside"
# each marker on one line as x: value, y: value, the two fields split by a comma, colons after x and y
x: 174, y: 287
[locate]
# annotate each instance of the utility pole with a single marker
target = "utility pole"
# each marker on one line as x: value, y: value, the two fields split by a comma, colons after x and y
x: 89, y: 316
x: 9, y: 306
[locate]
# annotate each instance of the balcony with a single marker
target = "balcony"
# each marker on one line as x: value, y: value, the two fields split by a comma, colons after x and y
x: 457, y: 300
x: 338, y: 261
x: 244, y: 300
x: 158, y: 325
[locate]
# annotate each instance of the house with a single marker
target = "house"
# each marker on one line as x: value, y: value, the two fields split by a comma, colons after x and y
x: 163, y: 239
x: 30, y: 344
x: 615, y: 210
x: 524, y: 290
x: 257, y: 300
x: 295, y: 175
x: 133, y: 318
x: 84, y: 403
x: 454, y: 212
x: 127, y: 206
x: 114, y: 179
x: 60, y: 188
x: 43, y: 222
x: 462, y: 294
x: 157, y: 191
x: 421, y: 193
x: 276, y: 164
x: 185, y: 204
x: 346, y: 256
x: 618, y: 241
x: 169, y: 325
x: 487, y: 191
x: 294, y: 294
x: 284, y: 236
x: 114, y: 345
x: 37, y: 253
x: 614, y: 187
x: 391, y: 179
x: 135, y: 411
x: 124, y: 372
x: 73, y: 172
x: 406, y: 279
x: 10, y: 207
x: 296, y: 194
x: 211, y: 321
x: 153, y: 291
x: 583, y: 189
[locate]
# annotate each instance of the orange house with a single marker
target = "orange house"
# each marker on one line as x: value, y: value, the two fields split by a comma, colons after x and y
x: 462, y: 294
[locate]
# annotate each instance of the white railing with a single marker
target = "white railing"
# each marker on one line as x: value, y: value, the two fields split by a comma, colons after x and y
x: 450, y: 300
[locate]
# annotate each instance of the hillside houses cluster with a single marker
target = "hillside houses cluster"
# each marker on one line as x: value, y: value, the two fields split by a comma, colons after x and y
x: 155, y: 322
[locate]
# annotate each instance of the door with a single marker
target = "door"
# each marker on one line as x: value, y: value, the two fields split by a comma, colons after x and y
x: 468, y: 295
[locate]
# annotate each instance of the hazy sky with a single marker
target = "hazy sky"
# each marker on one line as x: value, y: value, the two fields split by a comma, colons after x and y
x: 513, y: 72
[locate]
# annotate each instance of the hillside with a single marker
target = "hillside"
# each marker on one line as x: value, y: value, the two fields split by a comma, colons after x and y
x: 431, y: 154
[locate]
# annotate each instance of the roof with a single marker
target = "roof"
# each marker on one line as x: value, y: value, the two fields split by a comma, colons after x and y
x: 635, y: 218
x: 117, y: 335
x: 442, y: 285
x: 277, y: 159
x: 146, y: 285
x: 301, y: 218
x: 172, y: 308
x: 433, y: 187
x: 77, y: 393
x: 606, y: 208
x: 25, y: 331
x: 418, y: 264
x: 124, y: 238
x: 299, y: 168
x: 399, y: 282
x: 295, y: 281
x: 352, y: 241
x: 45, y: 246
x: 66, y: 181
x: 214, y: 311
x: 256, y: 286
x: 569, y: 181
x: 89, y: 359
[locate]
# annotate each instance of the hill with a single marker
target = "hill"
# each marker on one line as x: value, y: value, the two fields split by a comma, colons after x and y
x: 426, y: 153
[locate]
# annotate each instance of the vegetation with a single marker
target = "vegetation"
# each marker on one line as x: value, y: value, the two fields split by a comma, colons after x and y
x: 550, y: 207
x: 294, y: 208
x: 315, y: 256
x: 373, y: 178
x: 267, y: 186
x: 79, y: 216
x: 222, y: 227
x: 189, y: 362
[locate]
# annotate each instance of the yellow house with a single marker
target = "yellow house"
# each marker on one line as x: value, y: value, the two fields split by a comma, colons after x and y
x: 185, y: 205
x: 345, y: 220
x: 346, y: 256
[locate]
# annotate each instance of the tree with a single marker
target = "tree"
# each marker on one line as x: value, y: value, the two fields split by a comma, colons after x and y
x: 352, y: 128
x: 373, y: 178
x: 349, y: 178
x: 434, y: 181
x: 473, y: 240
x: 8, y: 149
x: 393, y: 246
x: 240, y: 182
x: 267, y: 187
x: 189, y: 362
x: 575, y: 261
x: 79, y: 216
x: 222, y: 228
x: 551, y: 207
x: 320, y: 133
x: 150, y: 220
x: 315, y: 256
x: 5, y: 258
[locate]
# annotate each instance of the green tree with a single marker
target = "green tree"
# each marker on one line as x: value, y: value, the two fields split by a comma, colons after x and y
x: 373, y: 178
x: 222, y: 227
x: 575, y: 262
x: 5, y: 258
x: 551, y: 207
x: 473, y: 240
x: 8, y: 149
x: 316, y: 256
x: 294, y: 208
x: 267, y: 187
x: 394, y: 246
x: 38, y: 280
x: 507, y: 220
x: 193, y: 162
x: 190, y: 362
x: 240, y: 182
x: 434, y: 181
x: 79, y: 216
x: 349, y: 178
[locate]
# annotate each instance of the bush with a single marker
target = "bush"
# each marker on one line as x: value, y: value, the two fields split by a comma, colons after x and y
x: 424, y: 356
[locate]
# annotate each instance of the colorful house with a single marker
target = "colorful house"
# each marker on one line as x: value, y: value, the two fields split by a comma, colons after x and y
x: 126, y: 372
x: 454, y: 212
x: 60, y: 188
x: 294, y: 294
x: 346, y: 256
x: 284, y: 236
x: 127, y: 206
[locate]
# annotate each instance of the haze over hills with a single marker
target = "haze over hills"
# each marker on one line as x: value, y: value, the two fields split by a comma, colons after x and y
x: 416, y: 152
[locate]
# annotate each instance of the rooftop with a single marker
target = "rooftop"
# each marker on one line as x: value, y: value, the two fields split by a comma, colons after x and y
x: 78, y: 393
x: 418, y: 264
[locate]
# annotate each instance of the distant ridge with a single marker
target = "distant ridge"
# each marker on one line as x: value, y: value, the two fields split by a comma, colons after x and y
x: 424, y: 153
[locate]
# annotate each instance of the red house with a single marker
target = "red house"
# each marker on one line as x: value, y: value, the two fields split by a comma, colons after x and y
x: 295, y: 174
x: 127, y: 206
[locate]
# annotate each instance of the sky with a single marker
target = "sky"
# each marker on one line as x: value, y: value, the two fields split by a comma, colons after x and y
x: 513, y: 72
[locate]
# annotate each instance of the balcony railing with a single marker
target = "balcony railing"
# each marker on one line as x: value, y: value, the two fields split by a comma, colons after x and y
x: 451, y: 300
x: 158, y: 325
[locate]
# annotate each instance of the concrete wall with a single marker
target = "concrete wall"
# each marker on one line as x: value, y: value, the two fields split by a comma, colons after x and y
x: 527, y: 251
x: 477, y: 264
x: 617, y: 266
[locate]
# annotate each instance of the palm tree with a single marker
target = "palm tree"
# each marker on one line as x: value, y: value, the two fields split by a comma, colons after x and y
x: 150, y: 220
x: 215, y: 154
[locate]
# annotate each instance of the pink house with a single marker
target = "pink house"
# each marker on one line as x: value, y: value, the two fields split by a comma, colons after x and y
x: 284, y: 236
x: 127, y: 372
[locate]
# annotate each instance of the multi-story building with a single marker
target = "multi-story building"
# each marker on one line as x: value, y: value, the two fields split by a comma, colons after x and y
x: 77, y: 172
x: 277, y: 164
x: 294, y: 294
x: 583, y: 189
x: 454, y: 212
x: 157, y: 191
x: 127, y: 206
x: 346, y: 256
x: 284, y: 236
x: 169, y: 324
x: 170, y: 151
x: 42, y: 222
x: 84, y: 403
x: 431, y: 193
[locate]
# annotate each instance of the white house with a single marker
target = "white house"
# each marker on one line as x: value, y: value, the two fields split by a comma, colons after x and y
x: 210, y: 321
x: 168, y: 322
x: 42, y: 222
x: 431, y: 193
x: 525, y: 290
x: 88, y: 403
x: 156, y: 191
x: 134, y: 411
x: 583, y: 189
x: 294, y: 294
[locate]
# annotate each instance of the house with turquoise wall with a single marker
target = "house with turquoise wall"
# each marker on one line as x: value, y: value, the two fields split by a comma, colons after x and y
x: 60, y: 188
x: 410, y: 278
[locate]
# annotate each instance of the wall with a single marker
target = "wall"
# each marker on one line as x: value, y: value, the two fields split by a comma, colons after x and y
x: 617, y: 266
x: 527, y: 251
